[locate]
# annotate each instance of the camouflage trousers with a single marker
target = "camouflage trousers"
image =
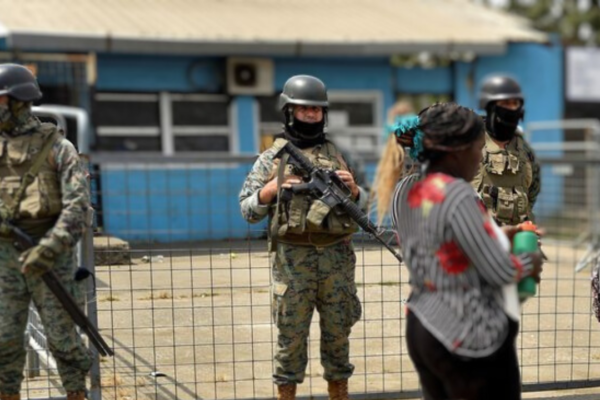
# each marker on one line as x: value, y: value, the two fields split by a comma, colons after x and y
x: 16, y: 291
x: 305, y: 278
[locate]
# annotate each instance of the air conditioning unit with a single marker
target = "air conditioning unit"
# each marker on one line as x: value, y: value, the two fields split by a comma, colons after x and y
x: 250, y: 76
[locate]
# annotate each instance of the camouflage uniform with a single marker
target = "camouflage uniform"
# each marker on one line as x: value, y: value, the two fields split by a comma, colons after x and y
x: 54, y: 211
x: 306, y: 277
x: 509, y: 180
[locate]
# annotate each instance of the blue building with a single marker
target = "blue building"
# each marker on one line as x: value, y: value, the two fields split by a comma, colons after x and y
x: 182, y: 94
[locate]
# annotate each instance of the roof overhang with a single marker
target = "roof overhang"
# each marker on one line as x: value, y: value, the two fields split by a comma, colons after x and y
x: 106, y: 44
x: 263, y: 27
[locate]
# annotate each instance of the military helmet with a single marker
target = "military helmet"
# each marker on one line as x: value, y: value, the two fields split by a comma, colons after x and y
x: 19, y: 83
x: 303, y: 90
x: 499, y: 87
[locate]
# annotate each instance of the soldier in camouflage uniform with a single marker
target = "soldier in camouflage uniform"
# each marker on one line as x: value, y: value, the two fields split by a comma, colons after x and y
x: 509, y: 178
x: 313, y: 257
x: 53, y: 211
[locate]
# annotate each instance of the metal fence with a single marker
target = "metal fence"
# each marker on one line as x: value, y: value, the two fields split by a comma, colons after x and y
x: 184, y: 296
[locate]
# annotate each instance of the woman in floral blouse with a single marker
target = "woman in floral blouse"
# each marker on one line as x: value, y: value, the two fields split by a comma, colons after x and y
x: 459, y: 336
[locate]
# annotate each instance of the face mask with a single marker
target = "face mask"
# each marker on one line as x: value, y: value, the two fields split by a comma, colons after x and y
x: 502, y: 123
x: 304, y: 134
x: 308, y: 130
x: 312, y: 134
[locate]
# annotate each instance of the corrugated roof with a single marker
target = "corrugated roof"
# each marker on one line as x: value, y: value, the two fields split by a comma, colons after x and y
x: 353, y: 27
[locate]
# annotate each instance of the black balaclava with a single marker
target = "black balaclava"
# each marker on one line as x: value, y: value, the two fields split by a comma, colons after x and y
x: 304, y: 134
x: 502, y: 123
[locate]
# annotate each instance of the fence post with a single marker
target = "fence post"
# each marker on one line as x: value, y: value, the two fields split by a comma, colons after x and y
x: 86, y: 257
x: 594, y: 154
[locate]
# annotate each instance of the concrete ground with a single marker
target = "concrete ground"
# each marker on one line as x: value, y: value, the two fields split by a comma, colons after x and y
x: 195, y: 324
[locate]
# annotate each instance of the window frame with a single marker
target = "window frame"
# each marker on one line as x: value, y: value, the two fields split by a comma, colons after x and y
x: 355, y: 96
x: 166, y: 130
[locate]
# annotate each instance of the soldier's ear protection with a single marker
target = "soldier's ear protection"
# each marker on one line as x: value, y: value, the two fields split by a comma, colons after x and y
x: 288, y: 113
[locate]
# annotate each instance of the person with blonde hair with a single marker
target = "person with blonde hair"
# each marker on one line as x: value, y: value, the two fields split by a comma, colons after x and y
x: 389, y: 169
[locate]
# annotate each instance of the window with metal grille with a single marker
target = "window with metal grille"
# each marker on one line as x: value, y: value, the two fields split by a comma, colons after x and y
x: 127, y: 121
x: 163, y: 122
x: 200, y: 123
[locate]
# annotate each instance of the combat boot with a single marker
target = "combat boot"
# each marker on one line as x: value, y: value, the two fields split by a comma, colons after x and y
x: 10, y: 396
x: 286, y: 392
x: 75, y: 395
x: 338, y: 390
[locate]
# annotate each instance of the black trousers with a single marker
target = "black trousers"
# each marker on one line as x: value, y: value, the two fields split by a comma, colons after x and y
x: 446, y: 376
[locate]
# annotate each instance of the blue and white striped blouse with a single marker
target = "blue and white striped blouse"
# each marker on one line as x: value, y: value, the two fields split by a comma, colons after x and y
x: 457, y: 266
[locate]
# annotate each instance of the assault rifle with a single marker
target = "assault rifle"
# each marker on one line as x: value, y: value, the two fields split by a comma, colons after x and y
x: 22, y: 242
x: 328, y: 187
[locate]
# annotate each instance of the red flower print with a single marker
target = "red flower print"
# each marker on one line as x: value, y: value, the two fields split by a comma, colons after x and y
x: 487, y: 225
x: 482, y: 207
x: 452, y: 259
x: 429, y: 191
x: 415, y: 196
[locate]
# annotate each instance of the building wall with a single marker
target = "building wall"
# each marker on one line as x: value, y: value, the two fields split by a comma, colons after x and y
x: 153, y: 73
x: 420, y: 80
x: 169, y: 202
x: 168, y: 216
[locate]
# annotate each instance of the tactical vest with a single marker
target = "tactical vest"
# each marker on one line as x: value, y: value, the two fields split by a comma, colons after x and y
x: 504, y: 179
x: 301, y: 219
x: 41, y: 203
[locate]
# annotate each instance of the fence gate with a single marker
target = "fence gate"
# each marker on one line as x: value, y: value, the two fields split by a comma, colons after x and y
x: 190, y: 316
x: 559, y: 335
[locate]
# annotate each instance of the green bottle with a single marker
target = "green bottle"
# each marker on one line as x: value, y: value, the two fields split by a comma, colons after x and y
x: 525, y: 242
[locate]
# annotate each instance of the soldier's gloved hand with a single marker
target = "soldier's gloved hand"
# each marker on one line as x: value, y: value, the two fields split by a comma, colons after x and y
x: 37, y: 260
